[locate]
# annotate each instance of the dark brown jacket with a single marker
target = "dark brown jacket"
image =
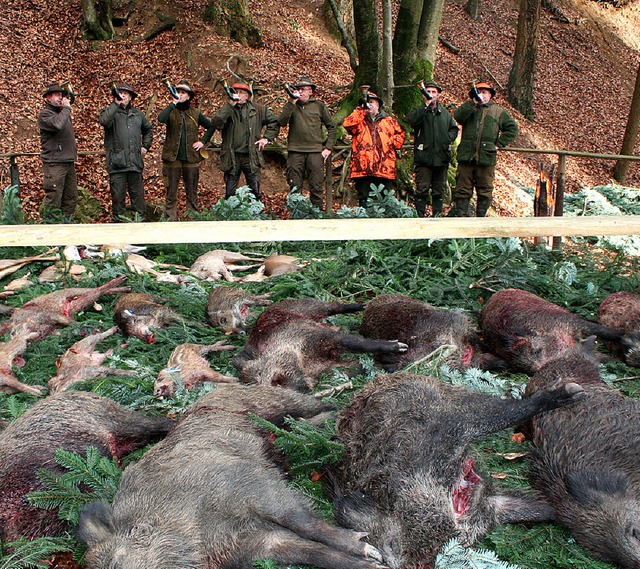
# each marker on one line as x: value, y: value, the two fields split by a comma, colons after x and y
x: 57, y: 139
x: 193, y: 119
x: 305, y: 122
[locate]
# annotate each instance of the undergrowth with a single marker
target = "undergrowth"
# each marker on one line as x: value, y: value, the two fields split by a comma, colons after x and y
x: 458, y: 274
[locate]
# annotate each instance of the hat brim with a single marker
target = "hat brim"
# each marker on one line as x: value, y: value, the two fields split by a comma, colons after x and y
x: 299, y: 85
x: 491, y: 90
x: 64, y: 92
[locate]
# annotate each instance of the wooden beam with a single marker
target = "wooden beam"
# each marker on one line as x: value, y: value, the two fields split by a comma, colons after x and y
x: 314, y: 230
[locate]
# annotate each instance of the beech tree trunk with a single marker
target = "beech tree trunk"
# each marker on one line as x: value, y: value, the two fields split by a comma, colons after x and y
x: 523, y: 71
x: 232, y: 18
x: 414, y: 49
x: 365, y: 22
x: 98, y: 16
x: 621, y: 169
x: 473, y: 7
x: 386, y: 79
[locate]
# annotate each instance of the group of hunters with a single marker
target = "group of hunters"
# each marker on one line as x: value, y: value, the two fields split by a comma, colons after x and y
x: 247, y: 126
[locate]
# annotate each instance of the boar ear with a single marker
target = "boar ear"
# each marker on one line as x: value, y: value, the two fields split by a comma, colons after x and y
x: 589, y: 343
x: 590, y: 487
x: 96, y: 524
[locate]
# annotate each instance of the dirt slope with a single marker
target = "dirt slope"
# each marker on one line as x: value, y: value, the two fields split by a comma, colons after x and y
x: 584, y: 84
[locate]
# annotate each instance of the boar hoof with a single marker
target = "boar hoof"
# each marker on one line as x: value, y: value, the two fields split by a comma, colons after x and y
x: 402, y: 347
x: 372, y: 553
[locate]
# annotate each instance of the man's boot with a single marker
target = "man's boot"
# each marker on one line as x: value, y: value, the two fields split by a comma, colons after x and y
x: 436, y: 205
x: 421, y: 206
x: 462, y: 208
x: 484, y: 203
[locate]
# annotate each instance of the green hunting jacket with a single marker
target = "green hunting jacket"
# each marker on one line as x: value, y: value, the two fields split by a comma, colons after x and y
x: 238, y: 132
x: 182, y: 128
x: 434, y: 131
x: 484, y: 130
x: 126, y: 132
x: 305, y: 122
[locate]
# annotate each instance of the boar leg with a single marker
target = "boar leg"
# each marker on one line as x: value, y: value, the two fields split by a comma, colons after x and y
x: 501, y: 414
x: 519, y: 507
x: 360, y: 344
x: 291, y: 549
x: 9, y: 383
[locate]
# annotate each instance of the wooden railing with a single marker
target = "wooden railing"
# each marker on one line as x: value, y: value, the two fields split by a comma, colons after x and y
x: 331, y: 229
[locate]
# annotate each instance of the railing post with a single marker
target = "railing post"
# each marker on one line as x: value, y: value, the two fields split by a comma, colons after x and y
x: 328, y: 184
x: 14, y: 172
x: 562, y: 168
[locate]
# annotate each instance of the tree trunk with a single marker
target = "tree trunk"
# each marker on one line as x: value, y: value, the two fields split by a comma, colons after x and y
x: 365, y: 21
x: 621, y: 169
x: 473, y: 7
x: 414, y: 49
x: 232, y: 18
x: 523, y: 70
x: 346, y: 40
x: 97, y: 21
x: 386, y: 81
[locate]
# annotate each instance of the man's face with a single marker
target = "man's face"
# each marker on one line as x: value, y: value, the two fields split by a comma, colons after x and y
x: 434, y: 95
x: 243, y: 96
x: 305, y: 93
x: 55, y: 99
x: 183, y: 96
x: 126, y: 98
x: 374, y: 107
x: 485, y: 94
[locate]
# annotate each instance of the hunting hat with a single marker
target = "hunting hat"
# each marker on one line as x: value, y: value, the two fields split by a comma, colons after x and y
x: 184, y: 85
x: 372, y: 95
x: 433, y: 84
x: 55, y: 88
x: 305, y: 82
x: 483, y: 85
x: 242, y: 86
x: 126, y: 87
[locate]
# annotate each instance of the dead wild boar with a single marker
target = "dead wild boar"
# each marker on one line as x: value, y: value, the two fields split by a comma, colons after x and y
x: 528, y: 331
x: 407, y: 478
x: 219, y: 264
x: 81, y: 362
x: 230, y: 308
x: 622, y: 310
x: 585, y: 462
x: 47, y: 312
x: 73, y: 421
x: 423, y: 328
x: 139, y: 314
x: 209, y: 495
x: 188, y: 366
x: 289, y: 346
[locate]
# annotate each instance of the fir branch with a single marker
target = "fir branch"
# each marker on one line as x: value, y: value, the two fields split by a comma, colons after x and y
x: 32, y: 554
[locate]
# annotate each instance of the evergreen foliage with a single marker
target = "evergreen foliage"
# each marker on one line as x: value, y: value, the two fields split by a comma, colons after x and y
x: 12, y: 213
x: 87, y: 480
x: 32, y: 554
x: 454, y: 556
x: 242, y: 206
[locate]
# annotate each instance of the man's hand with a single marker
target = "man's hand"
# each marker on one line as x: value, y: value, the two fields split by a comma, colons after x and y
x: 197, y: 145
x: 325, y: 154
x: 261, y: 143
x: 143, y: 151
x: 66, y: 102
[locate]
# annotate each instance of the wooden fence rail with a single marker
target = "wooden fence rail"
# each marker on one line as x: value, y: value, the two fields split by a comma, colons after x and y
x: 329, y: 229
x: 315, y: 230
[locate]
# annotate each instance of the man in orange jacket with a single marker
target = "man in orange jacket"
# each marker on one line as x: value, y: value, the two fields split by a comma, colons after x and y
x: 376, y: 138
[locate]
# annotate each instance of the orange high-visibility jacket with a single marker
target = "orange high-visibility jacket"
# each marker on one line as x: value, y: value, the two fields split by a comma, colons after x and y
x: 374, y: 144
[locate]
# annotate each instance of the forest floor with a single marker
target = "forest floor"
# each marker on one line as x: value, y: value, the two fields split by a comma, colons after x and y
x: 586, y: 71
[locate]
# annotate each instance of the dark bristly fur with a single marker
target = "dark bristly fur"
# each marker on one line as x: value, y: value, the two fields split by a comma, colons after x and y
x: 528, y: 331
x: 289, y: 346
x: 229, y: 308
x: 585, y: 462
x: 406, y: 465
x: 622, y: 310
x: 71, y: 420
x: 210, y: 496
x: 139, y: 315
x: 423, y: 328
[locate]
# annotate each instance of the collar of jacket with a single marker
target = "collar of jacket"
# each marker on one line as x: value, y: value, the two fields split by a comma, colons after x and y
x: 436, y: 109
x: 53, y: 107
